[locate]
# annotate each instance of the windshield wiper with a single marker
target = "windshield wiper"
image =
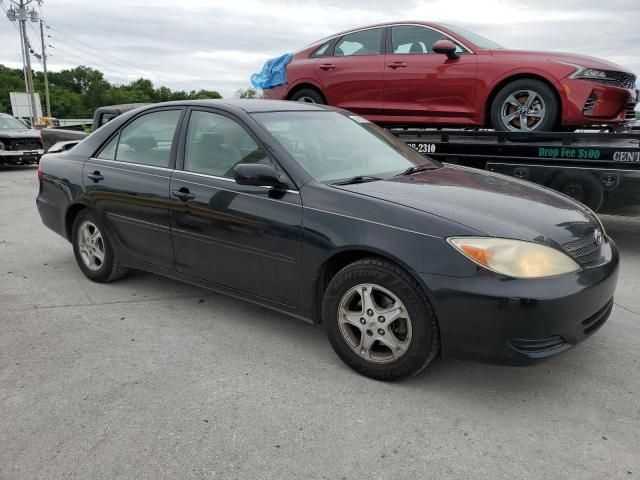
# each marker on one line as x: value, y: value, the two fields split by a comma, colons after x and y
x: 417, y: 168
x: 357, y: 179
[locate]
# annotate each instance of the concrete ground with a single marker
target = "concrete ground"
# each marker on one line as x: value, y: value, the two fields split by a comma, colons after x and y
x: 147, y: 378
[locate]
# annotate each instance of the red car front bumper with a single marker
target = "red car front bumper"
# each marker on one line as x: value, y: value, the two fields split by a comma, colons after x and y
x: 588, y: 103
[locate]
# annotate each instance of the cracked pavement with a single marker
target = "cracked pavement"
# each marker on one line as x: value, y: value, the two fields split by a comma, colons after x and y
x: 151, y: 378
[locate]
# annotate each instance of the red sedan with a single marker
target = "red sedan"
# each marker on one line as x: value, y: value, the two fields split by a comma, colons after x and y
x: 418, y: 73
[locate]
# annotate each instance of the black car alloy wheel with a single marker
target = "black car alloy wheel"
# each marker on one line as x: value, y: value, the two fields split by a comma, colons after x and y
x: 379, y: 320
x: 93, y: 250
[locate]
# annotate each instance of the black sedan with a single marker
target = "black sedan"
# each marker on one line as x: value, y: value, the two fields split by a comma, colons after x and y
x: 320, y: 214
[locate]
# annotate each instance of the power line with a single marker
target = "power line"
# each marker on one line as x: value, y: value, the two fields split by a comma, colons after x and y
x: 117, y: 60
x: 20, y: 12
x: 24, y: 70
x: 98, y: 57
x: 86, y: 52
x: 90, y: 62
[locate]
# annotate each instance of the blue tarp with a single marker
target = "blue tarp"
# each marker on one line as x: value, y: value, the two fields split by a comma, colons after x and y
x: 273, y: 73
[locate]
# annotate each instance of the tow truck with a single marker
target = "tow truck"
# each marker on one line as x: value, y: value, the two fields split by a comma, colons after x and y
x: 599, y: 169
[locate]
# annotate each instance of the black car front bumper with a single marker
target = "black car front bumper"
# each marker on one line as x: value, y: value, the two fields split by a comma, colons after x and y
x: 26, y: 157
x: 518, y: 321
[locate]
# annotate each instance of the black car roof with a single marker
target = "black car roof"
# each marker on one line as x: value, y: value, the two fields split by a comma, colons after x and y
x: 251, y: 105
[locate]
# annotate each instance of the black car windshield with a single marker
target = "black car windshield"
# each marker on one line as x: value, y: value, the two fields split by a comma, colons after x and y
x: 10, y: 123
x: 478, y: 40
x: 333, y: 147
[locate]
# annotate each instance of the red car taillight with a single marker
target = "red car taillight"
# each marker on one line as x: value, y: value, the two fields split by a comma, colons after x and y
x: 40, y: 168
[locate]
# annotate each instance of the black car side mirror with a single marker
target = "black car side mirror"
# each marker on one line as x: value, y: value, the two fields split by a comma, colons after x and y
x: 257, y: 175
x: 445, y: 47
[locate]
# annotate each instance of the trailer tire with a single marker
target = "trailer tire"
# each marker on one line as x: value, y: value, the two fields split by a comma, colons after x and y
x: 580, y: 186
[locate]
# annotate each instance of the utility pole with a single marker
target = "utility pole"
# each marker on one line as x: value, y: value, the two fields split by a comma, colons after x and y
x: 22, y: 17
x: 44, y: 68
x: 21, y: 14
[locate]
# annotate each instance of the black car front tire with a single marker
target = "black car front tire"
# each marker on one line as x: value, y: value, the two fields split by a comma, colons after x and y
x: 359, y: 332
x: 95, y: 256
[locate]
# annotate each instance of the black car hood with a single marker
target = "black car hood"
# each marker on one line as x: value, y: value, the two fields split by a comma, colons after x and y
x: 26, y: 133
x: 489, y: 203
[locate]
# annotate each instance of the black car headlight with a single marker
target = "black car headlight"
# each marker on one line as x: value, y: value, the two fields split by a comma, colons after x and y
x: 1, y: 146
x: 514, y: 258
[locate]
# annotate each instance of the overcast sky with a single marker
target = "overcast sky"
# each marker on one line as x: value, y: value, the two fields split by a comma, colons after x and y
x: 211, y: 44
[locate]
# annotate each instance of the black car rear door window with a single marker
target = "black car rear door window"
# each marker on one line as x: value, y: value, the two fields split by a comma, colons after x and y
x: 216, y: 143
x: 146, y: 141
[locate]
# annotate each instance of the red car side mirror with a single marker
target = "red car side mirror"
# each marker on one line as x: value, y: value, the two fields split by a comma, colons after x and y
x: 445, y: 47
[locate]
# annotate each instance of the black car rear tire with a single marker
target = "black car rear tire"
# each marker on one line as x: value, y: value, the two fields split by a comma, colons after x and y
x: 400, y: 315
x: 521, y: 90
x: 95, y: 256
x: 580, y: 186
x: 308, y: 95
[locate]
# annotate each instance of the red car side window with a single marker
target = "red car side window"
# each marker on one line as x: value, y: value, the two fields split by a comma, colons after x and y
x: 408, y: 39
x: 364, y: 42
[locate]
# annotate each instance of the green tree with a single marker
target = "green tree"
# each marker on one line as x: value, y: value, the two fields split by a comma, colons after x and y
x: 77, y: 92
x: 248, y: 93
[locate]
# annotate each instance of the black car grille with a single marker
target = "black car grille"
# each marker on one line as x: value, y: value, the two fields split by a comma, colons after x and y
x: 17, y: 144
x: 585, y: 249
x: 538, y: 345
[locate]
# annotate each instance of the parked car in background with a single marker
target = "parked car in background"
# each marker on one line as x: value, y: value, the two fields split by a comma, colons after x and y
x: 420, y: 73
x: 321, y: 214
x: 19, y: 144
x: 68, y: 137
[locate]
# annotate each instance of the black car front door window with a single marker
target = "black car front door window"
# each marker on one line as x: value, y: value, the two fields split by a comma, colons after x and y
x: 215, y: 144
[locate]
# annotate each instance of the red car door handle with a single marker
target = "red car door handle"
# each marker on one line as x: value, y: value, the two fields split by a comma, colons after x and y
x: 395, y: 65
x: 326, y: 66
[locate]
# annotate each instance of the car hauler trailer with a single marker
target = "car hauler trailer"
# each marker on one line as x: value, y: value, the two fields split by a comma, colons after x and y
x: 601, y: 170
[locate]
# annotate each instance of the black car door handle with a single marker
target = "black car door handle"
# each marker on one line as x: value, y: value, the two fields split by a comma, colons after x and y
x: 183, y: 194
x: 95, y: 176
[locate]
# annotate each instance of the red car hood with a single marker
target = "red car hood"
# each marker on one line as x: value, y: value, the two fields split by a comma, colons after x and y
x: 582, y: 60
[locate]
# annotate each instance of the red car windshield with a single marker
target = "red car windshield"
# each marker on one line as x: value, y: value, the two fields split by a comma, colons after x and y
x: 331, y: 146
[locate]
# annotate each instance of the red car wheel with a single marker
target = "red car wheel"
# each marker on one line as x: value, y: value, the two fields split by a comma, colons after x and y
x: 525, y: 105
